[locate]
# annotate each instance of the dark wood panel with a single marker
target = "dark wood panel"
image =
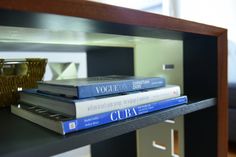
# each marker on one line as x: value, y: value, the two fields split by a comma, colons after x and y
x: 205, y: 75
x: 120, y: 146
x: 200, y: 133
x: 54, y: 23
x: 108, y: 13
x: 45, y: 47
x: 110, y: 61
x: 200, y: 80
x: 200, y: 66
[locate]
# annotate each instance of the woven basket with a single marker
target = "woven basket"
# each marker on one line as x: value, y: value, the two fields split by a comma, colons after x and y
x: 10, y: 84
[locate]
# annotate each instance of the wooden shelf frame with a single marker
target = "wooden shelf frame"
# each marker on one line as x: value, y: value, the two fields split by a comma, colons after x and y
x: 103, y: 16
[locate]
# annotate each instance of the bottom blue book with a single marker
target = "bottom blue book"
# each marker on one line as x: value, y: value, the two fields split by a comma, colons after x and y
x: 64, y: 125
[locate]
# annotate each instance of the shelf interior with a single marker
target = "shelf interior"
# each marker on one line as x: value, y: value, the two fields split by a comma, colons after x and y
x: 127, y: 51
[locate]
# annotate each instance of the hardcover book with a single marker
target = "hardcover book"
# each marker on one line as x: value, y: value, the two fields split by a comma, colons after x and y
x: 99, y: 86
x: 85, y: 107
x: 63, y: 125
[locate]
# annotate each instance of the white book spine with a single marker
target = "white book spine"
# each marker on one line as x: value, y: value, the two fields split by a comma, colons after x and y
x: 96, y: 106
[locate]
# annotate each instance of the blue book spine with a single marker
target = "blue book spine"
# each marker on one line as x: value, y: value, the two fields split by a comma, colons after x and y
x: 119, y: 87
x: 117, y: 115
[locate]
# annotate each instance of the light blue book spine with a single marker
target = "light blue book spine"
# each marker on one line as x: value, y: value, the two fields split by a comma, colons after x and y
x: 119, y: 87
x: 117, y: 115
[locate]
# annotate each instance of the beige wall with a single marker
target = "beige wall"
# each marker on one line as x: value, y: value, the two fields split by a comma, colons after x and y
x: 151, y: 54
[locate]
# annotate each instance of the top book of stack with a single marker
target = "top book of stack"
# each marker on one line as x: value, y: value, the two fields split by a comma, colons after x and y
x: 99, y: 86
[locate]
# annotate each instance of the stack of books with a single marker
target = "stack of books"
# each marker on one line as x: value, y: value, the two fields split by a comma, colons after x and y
x: 70, y: 105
